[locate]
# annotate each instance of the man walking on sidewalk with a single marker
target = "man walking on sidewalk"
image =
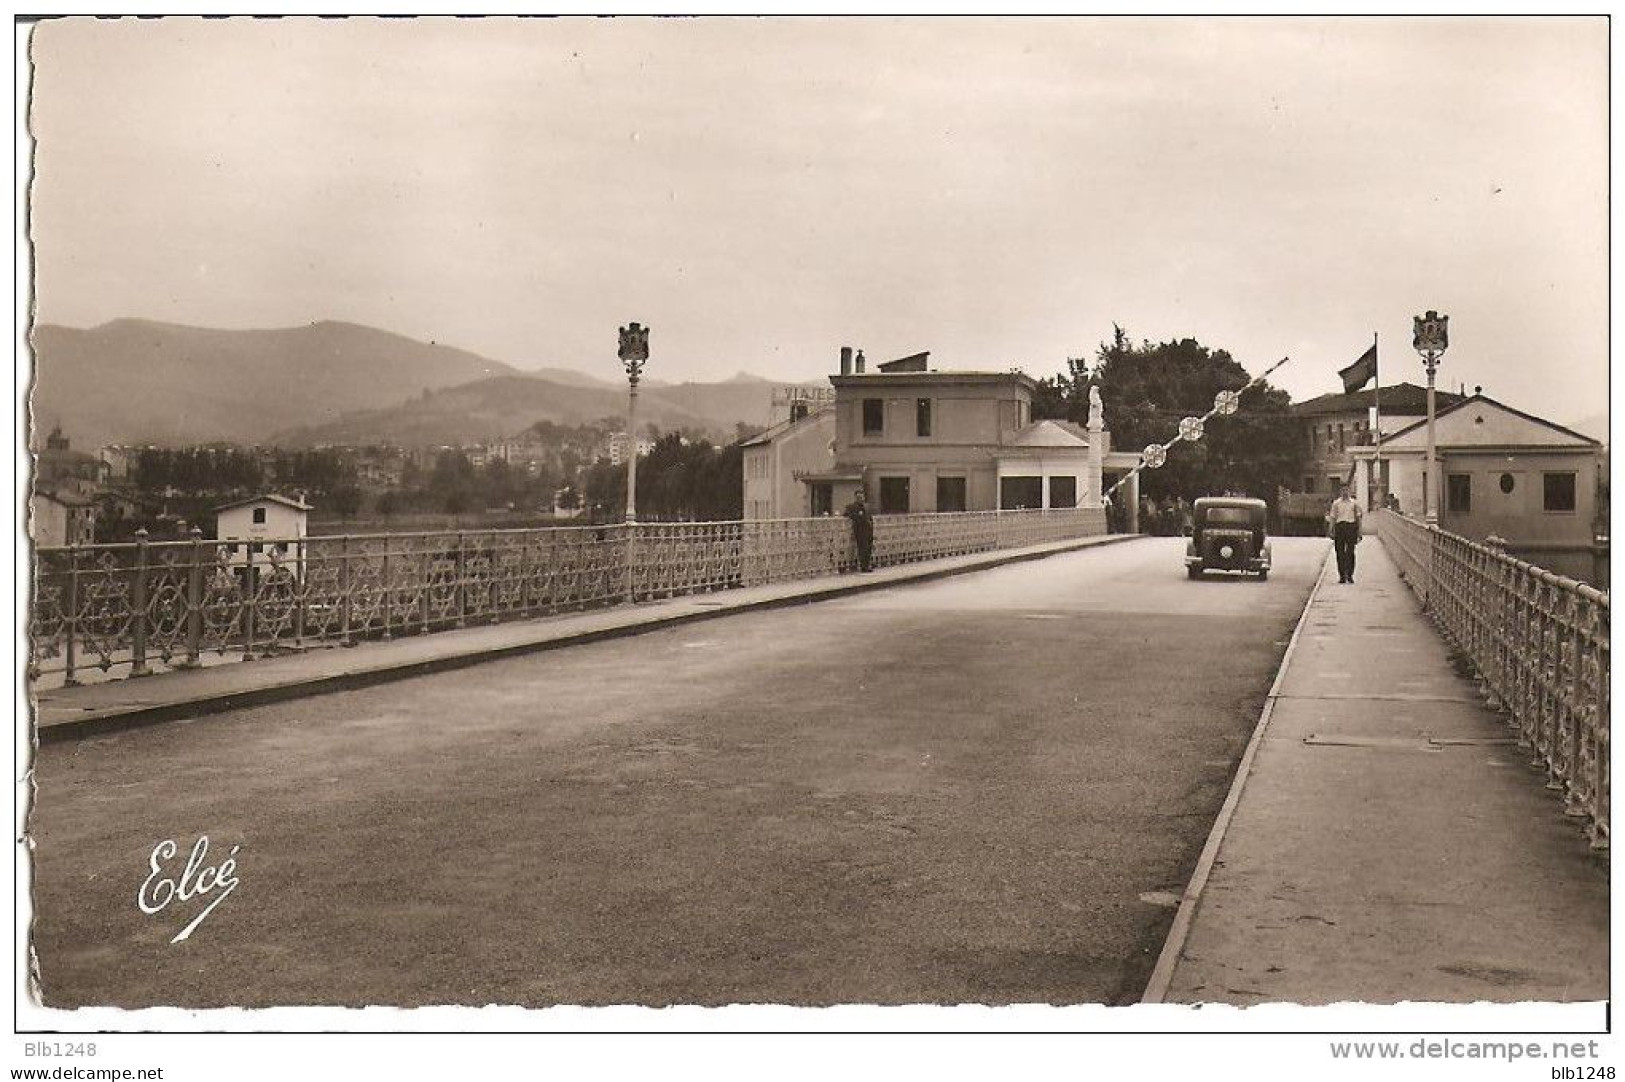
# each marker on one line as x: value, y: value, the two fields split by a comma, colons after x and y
x: 1343, y: 520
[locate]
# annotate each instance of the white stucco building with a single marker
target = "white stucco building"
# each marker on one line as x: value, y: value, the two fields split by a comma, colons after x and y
x: 265, y: 525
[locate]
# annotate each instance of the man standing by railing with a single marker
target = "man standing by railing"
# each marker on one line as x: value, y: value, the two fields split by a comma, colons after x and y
x: 863, y: 530
x: 1343, y: 521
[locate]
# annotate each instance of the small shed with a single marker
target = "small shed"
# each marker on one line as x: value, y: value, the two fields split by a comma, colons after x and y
x: 272, y: 527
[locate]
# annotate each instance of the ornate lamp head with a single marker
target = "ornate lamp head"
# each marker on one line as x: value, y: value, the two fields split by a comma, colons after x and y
x: 1432, y: 334
x: 634, y: 351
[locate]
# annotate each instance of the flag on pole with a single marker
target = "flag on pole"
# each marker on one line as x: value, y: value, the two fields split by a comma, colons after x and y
x: 1361, y: 372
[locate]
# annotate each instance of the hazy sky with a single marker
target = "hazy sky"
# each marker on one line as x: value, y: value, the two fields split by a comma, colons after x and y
x: 761, y: 192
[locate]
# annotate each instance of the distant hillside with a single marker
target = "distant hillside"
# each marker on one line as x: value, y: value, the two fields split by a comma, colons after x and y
x: 135, y: 380
x: 486, y: 409
x: 507, y: 405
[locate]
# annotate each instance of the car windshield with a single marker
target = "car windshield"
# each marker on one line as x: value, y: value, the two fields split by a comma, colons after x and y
x: 1240, y: 516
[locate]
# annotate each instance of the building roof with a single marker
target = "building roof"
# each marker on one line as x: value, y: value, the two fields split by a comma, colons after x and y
x: 1463, y: 403
x: 1401, y: 398
x: 849, y: 473
x: 269, y: 497
x: 774, y: 431
x: 915, y: 379
x: 1059, y: 434
x: 914, y: 362
x: 66, y: 499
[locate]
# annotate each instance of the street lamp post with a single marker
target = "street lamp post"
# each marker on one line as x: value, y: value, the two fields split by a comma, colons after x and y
x: 634, y: 353
x: 1431, y: 339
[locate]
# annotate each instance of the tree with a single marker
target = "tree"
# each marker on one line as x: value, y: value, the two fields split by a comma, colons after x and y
x: 346, y: 500
x: 1148, y: 388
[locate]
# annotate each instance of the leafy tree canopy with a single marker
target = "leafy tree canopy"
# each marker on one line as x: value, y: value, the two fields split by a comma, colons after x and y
x: 1148, y: 387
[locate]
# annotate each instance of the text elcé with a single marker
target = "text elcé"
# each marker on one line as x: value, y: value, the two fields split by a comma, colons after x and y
x: 198, y: 878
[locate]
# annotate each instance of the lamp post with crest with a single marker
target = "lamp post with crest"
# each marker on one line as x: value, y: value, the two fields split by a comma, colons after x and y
x: 1431, y: 339
x: 634, y: 353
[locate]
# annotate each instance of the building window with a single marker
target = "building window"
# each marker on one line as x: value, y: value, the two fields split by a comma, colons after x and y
x: 894, y: 495
x: 922, y: 417
x: 1308, y: 484
x: 1458, y: 493
x: 1508, y: 483
x: 1020, y: 493
x: 259, y: 516
x: 1560, y: 492
x: 1341, y: 444
x: 874, y: 416
x: 951, y: 494
x: 1063, y: 492
x: 823, y: 499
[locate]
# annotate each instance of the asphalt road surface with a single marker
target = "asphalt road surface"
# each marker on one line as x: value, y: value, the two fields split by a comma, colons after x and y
x: 982, y: 789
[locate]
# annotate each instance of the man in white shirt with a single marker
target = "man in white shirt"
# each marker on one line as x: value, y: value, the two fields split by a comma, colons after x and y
x: 1343, y: 523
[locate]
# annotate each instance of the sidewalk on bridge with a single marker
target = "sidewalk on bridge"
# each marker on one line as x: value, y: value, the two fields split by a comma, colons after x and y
x: 1390, y: 841
x: 67, y: 713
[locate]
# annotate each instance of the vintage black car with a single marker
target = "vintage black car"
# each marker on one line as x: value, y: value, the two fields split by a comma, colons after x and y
x: 1228, y: 534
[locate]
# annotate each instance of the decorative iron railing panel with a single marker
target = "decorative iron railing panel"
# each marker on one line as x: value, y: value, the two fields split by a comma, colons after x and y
x: 1538, y: 643
x: 105, y: 611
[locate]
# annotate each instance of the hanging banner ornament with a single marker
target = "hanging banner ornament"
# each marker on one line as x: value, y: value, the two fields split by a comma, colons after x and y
x: 1226, y: 403
x: 1155, y: 455
x: 1190, y: 429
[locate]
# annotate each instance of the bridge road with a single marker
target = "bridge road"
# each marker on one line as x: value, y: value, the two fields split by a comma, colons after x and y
x: 948, y: 792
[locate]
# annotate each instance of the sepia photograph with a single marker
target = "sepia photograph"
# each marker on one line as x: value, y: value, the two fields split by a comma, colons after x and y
x: 815, y: 524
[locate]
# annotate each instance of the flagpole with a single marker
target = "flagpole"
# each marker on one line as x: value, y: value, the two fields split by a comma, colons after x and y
x: 1376, y: 371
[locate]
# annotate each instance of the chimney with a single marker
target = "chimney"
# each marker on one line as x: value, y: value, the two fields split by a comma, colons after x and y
x: 858, y: 360
x: 846, y: 360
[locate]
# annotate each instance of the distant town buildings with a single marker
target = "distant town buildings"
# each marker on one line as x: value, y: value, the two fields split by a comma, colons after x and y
x: 62, y: 518
x: 619, y: 442
x: 60, y: 469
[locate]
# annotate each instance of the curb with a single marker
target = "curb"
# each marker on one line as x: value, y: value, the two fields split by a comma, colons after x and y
x: 1162, y: 974
x: 117, y: 719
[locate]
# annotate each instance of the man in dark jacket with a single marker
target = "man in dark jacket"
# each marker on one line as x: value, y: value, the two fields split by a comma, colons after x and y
x: 863, y: 530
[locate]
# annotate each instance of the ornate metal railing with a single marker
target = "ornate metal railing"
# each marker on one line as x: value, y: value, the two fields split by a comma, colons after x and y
x: 102, y: 611
x: 1538, y: 643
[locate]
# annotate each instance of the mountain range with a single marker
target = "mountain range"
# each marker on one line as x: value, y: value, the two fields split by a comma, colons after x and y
x: 141, y: 381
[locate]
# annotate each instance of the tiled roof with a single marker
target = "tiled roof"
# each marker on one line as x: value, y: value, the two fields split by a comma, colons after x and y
x: 298, y: 505
x: 1404, y: 398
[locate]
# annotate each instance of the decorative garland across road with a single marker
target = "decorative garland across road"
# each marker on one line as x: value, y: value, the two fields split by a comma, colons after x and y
x: 1192, y: 429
